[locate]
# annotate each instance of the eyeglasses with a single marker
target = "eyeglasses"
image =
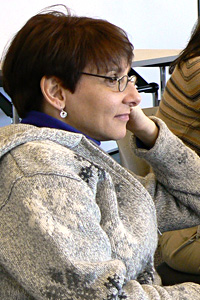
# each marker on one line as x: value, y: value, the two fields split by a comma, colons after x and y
x: 122, y: 81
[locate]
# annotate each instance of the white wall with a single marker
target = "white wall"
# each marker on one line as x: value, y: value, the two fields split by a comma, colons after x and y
x: 150, y: 24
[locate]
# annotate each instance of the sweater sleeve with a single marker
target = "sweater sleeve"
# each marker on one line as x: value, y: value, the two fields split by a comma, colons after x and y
x: 60, y: 251
x: 174, y: 183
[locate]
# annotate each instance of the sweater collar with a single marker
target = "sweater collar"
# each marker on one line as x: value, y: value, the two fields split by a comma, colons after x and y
x: 40, y: 119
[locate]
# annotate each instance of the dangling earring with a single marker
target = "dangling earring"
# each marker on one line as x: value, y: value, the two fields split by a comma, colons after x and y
x: 63, y: 114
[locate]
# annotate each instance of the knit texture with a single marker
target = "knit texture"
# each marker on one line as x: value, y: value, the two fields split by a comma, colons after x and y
x: 75, y: 225
x: 180, y: 105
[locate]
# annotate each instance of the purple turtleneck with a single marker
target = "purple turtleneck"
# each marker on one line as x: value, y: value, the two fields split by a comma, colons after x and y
x: 40, y: 119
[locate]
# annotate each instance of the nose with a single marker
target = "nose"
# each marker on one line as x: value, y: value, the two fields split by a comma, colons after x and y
x: 132, y: 97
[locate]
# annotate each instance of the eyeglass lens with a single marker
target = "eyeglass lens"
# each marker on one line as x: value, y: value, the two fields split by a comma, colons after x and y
x: 124, y: 81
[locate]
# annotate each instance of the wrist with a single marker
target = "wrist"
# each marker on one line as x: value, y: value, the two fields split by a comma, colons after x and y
x: 147, y: 134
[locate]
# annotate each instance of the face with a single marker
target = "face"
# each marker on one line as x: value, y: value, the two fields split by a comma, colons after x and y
x: 98, y: 109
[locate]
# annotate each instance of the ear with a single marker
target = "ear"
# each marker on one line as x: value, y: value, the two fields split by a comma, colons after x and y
x: 53, y: 92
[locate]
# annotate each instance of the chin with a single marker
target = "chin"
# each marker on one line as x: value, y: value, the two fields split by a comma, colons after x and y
x: 114, y: 134
x: 119, y: 136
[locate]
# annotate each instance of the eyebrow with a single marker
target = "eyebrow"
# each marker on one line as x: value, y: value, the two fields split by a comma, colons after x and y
x: 118, y: 70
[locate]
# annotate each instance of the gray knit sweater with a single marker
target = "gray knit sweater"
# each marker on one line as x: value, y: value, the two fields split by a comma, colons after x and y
x: 75, y: 225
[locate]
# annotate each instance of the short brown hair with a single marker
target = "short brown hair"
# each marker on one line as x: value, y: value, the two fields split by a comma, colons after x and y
x: 61, y: 45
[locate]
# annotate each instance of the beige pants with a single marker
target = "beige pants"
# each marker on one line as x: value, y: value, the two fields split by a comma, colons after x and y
x: 181, y: 250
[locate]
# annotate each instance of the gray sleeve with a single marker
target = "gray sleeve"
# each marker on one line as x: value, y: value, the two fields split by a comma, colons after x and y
x: 175, y: 181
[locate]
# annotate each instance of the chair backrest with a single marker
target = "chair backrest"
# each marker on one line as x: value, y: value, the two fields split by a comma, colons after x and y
x: 6, y: 104
x: 127, y: 157
x: 144, y: 87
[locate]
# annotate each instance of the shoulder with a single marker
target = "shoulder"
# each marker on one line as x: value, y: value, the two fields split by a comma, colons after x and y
x: 184, y: 81
x: 45, y: 157
x: 32, y: 150
x: 37, y: 161
x: 190, y: 68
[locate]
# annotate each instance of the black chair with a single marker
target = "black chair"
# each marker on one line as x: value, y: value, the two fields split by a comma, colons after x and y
x: 6, y: 105
x: 144, y: 87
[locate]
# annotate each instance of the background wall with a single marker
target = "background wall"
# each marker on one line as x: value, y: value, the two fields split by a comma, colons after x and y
x: 150, y: 24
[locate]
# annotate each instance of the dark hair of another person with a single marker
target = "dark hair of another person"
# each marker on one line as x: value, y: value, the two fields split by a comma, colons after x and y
x: 191, y: 50
x: 61, y: 45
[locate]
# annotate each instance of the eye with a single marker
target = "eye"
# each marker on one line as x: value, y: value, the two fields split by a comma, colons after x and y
x: 111, y: 80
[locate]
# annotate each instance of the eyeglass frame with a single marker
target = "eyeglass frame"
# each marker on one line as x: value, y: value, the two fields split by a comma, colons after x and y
x: 129, y: 79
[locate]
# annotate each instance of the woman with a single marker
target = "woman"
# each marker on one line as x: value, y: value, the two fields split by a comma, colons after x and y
x: 180, y: 104
x: 180, y: 110
x: 74, y: 223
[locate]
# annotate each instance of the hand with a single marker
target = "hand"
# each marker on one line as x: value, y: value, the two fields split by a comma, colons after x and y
x: 142, y: 127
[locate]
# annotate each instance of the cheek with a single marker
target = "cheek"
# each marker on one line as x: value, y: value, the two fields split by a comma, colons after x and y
x: 101, y: 107
x: 97, y: 101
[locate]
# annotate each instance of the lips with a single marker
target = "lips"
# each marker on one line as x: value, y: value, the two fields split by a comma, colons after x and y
x: 123, y: 117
